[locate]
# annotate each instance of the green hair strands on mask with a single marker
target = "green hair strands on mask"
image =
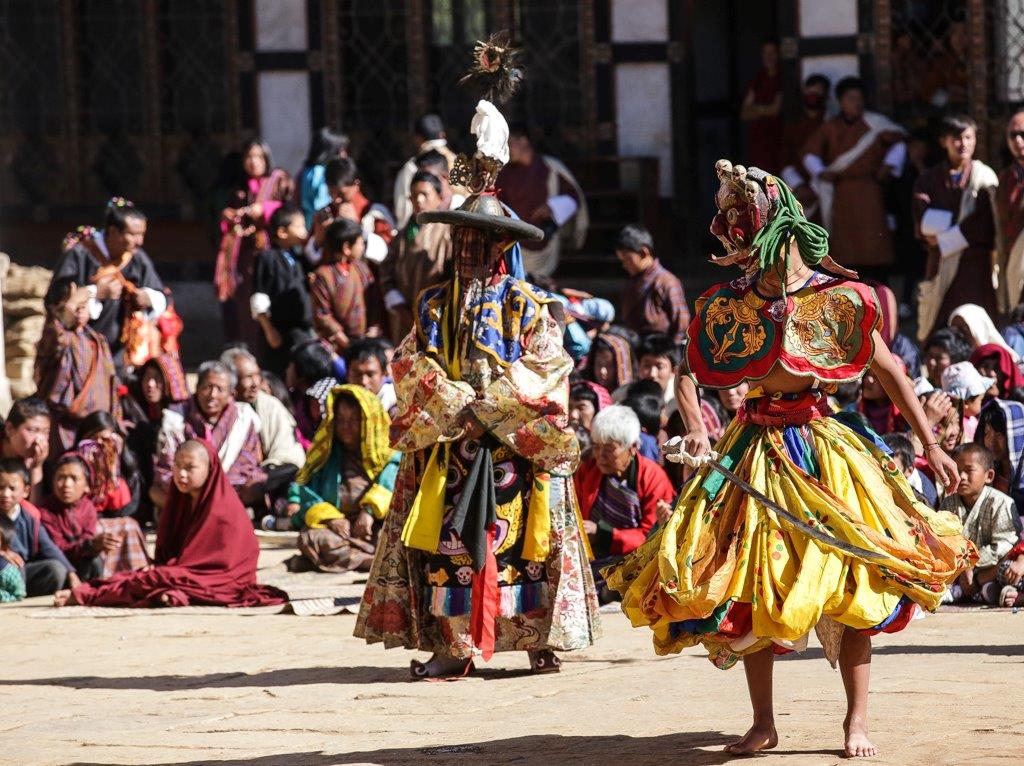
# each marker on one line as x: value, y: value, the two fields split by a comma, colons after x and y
x: 788, y: 223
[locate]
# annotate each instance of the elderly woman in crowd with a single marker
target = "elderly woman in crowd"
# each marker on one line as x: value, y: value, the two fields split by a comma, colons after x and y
x: 206, y: 550
x: 345, y: 487
x: 214, y: 415
x: 619, y: 490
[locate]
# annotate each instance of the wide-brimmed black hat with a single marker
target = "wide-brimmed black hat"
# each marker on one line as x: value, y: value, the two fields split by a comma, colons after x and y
x: 484, y: 211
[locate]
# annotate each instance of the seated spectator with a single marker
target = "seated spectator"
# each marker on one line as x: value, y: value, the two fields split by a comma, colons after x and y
x: 26, y: 436
x: 367, y: 365
x: 70, y: 517
x: 881, y: 413
x: 946, y: 346
x: 586, y: 399
x: 344, y: 489
x: 212, y: 414
x: 977, y: 328
x: 995, y: 361
x: 206, y: 550
x: 903, y: 453
x: 645, y: 398
x: 652, y: 298
x: 900, y: 345
x: 74, y: 367
x: 159, y: 384
x: 282, y: 453
x: 1010, y: 575
x: 419, y: 257
x: 990, y: 522
x: 310, y: 378
x: 729, y: 401
x: 963, y: 382
x: 274, y: 385
x: 44, y: 566
x: 658, y: 356
x: 116, y: 483
x: 619, y: 490
x: 1001, y: 430
x: 12, y: 584
x: 343, y: 288
x: 280, y: 299
x: 611, y: 362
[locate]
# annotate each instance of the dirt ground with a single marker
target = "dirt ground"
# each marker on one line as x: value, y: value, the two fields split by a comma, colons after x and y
x: 184, y: 689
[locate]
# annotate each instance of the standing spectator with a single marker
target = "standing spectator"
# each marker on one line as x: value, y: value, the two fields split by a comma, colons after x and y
x: 989, y: 517
x: 313, y: 192
x: 542, y: 191
x: 428, y: 136
x: 847, y: 159
x: 26, y: 437
x: 653, y: 298
x: 44, y: 565
x: 280, y: 296
x: 282, y: 454
x: 119, y: 274
x: 214, y: 416
x: 1010, y: 216
x: 348, y: 201
x: 343, y: 289
x: 795, y: 134
x: 953, y: 208
x: 437, y: 165
x: 74, y: 369
x: 244, y: 232
x: 762, y: 107
x: 419, y: 257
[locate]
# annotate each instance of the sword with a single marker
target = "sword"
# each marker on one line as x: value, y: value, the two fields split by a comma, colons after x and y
x: 674, y: 452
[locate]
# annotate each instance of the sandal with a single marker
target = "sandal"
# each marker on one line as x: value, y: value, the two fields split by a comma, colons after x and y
x: 543, y: 662
x: 418, y: 671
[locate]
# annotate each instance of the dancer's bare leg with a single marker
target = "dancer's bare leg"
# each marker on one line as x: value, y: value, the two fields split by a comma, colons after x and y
x: 855, y: 667
x: 761, y: 735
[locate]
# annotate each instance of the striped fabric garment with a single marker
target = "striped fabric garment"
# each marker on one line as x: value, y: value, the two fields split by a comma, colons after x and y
x: 617, y: 504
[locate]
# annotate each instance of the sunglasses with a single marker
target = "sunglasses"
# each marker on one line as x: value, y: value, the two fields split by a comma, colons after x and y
x: 1012, y: 134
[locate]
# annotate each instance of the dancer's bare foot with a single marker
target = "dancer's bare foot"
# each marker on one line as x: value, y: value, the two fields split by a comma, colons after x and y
x: 759, y: 737
x: 64, y: 598
x: 857, y: 743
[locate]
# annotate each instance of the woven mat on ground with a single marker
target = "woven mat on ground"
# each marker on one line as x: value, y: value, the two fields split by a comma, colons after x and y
x: 305, y: 607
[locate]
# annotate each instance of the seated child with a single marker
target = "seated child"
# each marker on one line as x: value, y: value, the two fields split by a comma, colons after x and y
x: 280, y: 299
x: 963, y: 381
x: 1010, y: 575
x: 74, y: 368
x: 43, y: 564
x: 990, y: 522
x: 70, y: 517
x: 12, y: 586
x: 903, y: 453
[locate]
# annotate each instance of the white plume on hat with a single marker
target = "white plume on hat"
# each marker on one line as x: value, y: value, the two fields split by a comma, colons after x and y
x: 491, y: 131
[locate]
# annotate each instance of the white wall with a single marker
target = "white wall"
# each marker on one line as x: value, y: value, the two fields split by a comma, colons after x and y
x: 643, y: 116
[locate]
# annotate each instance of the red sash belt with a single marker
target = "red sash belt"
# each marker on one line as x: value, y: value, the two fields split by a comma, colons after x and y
x: 786, y: 410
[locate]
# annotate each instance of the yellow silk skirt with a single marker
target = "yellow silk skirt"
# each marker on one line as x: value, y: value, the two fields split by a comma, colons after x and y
x: 727, y: 572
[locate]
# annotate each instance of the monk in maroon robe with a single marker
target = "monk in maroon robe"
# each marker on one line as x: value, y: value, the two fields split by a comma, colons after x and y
x: 206, y: 550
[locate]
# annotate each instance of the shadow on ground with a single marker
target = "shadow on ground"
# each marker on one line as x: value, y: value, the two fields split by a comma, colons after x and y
x: 695, y: 748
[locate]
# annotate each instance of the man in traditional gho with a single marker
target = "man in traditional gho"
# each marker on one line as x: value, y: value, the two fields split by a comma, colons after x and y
x: 847, y: 158
x: 844, y: 548
x: 1009, y: 209
x: 482, y: 550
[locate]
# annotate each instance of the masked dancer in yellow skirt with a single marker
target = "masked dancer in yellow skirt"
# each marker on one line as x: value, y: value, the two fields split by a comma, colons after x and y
x: 857, y: 554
